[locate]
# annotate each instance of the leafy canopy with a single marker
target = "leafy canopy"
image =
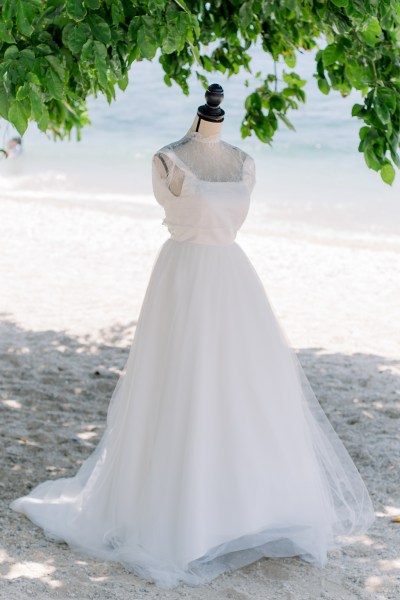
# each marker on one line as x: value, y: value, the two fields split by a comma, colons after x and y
x: 55, y: 53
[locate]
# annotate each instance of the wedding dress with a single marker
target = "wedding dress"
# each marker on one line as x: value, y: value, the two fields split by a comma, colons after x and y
x: 216, y: 451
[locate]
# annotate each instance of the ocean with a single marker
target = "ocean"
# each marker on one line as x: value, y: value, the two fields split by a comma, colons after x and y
x: 313, y: 178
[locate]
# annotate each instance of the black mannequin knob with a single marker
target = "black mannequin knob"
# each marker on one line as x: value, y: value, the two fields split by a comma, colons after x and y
x: 211, y: 111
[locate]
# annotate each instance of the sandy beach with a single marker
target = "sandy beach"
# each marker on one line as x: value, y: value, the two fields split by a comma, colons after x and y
x: 72, y: 280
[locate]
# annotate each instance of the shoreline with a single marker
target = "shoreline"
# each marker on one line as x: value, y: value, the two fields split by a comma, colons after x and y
x: 263, y: 219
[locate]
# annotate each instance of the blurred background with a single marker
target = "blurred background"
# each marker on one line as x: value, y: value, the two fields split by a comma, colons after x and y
x: 311, y: 179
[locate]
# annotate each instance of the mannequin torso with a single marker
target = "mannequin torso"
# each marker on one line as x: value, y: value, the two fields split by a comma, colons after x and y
x: 203, y: 152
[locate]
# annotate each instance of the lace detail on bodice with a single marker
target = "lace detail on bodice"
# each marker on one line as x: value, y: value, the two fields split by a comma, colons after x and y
x: 199, y: 137
x: 208, y: 157
x: 205, y: 212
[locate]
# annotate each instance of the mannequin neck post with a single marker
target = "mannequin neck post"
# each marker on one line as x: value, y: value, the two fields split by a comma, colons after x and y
x: 206, y: 128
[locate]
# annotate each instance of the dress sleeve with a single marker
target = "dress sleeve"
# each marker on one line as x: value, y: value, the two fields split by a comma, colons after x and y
x: 161, y: 171
x: 249, y: 172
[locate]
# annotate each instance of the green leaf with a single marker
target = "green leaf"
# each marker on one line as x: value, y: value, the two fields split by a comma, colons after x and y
x: 276, y: 102
x: 394, y: 142
x: 93, y: 4
x: 388, y: 17
x: 36, y: 104
x: 330, y: 55
x: 76, y: 9
x: 27, y: 58
x: 395, y: 157
x: 245, y: 130
x: 262, y: 136
x: 290, y: 60
x: 5, y: 35
x: 169, y: 42
x: 33, y: 78
x: 177, y: 33
x: 133, y: 28
x: 65, y: 32
x: 115, y: 65
x: 11, y: 52
x: 55, y: 77
x: 371, y: 34
x: 323, y: 85
x: 246, y: 14
x: 371, y: 159
x: 382, y: 112
x: 147, y: 42
x: 388, y: 173
x: 43, y: 49
x: 18, y: 117
x: 194, y: 23
x: 117, y: 12
x: 294, y: 80
x: 355, y: 73
x: 156, y: 4
x: 208, y: 65
x: 357, y: 108
x: 56, y: 66
x: 364, y: 131
x: 77, y: 36
x: 203, y: 80
x: 100, y: 29
x: 123, y: 82
x: 87, y: 51
x: 196, y: 53
x: 26, y: 11
x: 340, y: 3
x: 388, y: 97
x: 133, y: 55
x: 54, y: 84
x: 320, y: 64
x: 23, y: 91
x: 43, y: 122
x: 285, y: 120
x: 264, y: 129
x: 182, y: 4
x: 100, y: 53
x: 8, y: 11
x: 4, y: 103
x: 253, y: 102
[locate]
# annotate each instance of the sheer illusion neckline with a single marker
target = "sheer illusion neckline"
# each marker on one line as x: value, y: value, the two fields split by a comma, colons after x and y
x: 178, y: 161
x: 204, y: 139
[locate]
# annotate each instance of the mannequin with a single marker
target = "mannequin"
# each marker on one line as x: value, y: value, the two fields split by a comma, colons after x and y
x: 201, y: 150
x: 216, y: 452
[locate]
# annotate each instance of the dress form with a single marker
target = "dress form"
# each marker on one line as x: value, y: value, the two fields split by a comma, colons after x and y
x: 216, y: 452
x: 203, y: 152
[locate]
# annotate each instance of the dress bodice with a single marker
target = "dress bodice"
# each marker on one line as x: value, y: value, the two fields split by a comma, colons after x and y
x: 205, y: 212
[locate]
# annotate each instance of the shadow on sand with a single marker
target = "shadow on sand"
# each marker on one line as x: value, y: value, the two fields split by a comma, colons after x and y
x: 54, y: 395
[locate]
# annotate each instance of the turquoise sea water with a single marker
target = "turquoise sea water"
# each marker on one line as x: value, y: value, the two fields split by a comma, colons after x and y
x: 314, y: 176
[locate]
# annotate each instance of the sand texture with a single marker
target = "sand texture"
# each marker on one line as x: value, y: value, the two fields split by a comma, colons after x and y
x: 72, y: 279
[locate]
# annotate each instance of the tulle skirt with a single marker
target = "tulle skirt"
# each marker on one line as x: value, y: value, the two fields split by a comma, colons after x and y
x: 216, y: 451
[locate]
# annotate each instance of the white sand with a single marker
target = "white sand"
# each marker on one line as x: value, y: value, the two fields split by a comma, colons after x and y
x: 72, y: 279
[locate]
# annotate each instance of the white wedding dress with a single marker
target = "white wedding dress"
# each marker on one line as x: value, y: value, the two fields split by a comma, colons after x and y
x: 216, y: 451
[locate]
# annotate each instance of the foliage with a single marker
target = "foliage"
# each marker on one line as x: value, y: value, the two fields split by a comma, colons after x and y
x: 55, y: 53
